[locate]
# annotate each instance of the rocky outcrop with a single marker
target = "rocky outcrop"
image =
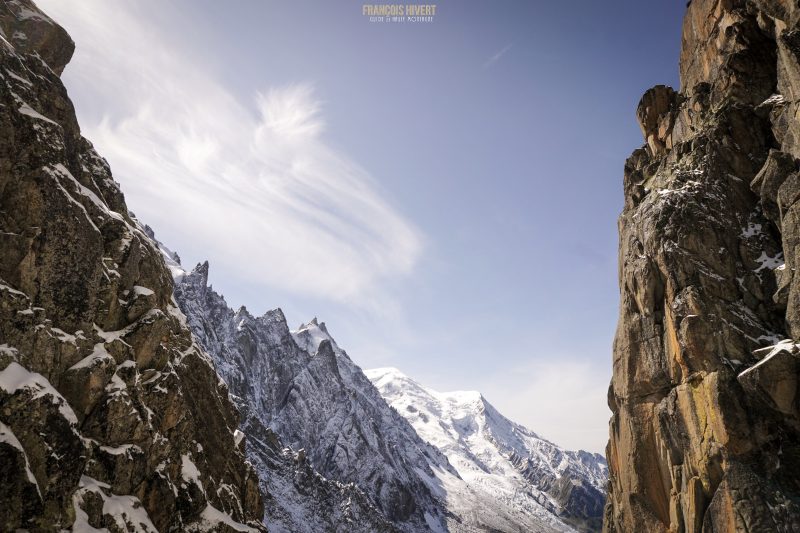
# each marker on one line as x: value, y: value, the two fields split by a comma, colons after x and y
x: 111, y: 416
x: 704, y: 434
x: 299, y: 388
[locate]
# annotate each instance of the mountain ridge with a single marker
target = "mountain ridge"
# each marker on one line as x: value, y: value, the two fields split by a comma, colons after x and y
x: 266, y: 368
x: 292, y: 362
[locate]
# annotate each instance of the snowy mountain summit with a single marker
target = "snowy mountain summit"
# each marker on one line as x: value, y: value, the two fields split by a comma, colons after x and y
x: 514, y: 476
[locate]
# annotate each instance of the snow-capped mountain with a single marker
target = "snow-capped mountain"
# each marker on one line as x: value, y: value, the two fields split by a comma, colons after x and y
x: 352, y: 461
x: 508, y: 467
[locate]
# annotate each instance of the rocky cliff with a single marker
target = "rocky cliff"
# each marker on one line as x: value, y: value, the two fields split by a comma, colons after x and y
x: 111, y: 416
x: 705, y: 434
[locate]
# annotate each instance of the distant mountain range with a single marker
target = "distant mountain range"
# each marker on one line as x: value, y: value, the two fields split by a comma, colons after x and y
x: 416, y: 460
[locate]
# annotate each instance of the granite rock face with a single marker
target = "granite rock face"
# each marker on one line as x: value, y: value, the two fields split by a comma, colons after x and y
x: 111, y: 416
x: 705, y: 434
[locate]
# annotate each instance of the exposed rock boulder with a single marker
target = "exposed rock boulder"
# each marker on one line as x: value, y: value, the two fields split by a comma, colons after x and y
x: 111, y: 416
x: 656, y: 117
x: 774, y: 379
x: 30, y: 31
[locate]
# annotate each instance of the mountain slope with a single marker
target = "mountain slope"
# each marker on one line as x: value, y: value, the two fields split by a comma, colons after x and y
x: 705, y: 434
x: 306, y: 390
x: 511, y: 470
x: 297, y: 498
x: 111, y: 417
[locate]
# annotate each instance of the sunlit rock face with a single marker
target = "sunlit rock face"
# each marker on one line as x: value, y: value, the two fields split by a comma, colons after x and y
x: 111, y: 416
x: 705, y: 434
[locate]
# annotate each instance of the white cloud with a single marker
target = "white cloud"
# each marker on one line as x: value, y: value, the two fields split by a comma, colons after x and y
x: 561, y: 397
x: 253, y: 183
x: 291, y: 113
x: 496, y: 57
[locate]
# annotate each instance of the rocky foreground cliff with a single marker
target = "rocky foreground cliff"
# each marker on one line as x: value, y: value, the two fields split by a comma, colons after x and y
x: 705, y: 434
x: 111, y: 417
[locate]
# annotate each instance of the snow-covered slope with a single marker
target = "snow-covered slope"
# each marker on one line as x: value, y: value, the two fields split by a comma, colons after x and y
x: 509, y: 468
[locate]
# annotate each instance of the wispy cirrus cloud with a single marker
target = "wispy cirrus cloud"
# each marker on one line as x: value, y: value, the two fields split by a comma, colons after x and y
x: 496, y: 57
x: 252, y: 184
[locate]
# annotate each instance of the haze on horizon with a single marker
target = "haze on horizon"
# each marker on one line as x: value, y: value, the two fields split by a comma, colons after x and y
x: 443, y: 195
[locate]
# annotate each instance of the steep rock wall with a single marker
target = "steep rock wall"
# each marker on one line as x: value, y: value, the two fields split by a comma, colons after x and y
x: 704, y: 434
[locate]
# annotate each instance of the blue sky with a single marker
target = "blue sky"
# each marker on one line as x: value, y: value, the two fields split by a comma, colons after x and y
x: 444, y: 196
